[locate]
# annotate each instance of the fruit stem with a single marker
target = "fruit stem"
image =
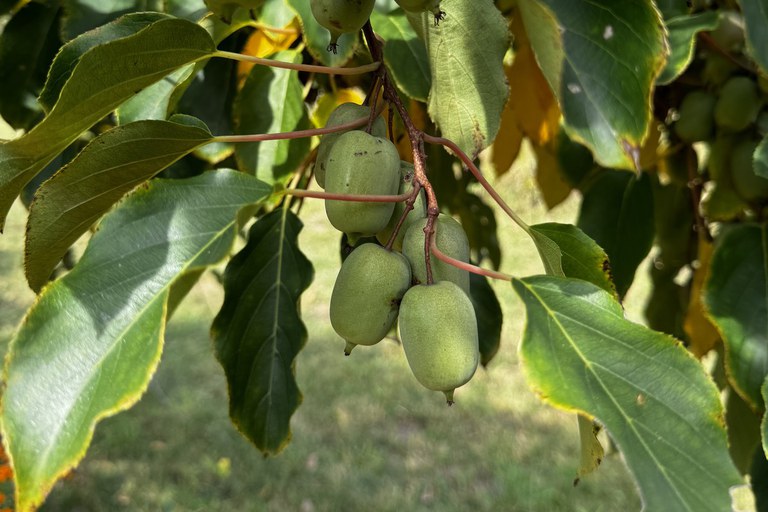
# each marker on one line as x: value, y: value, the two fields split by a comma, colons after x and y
x: 415, y: 136
x: 357, y: 198
x: 408, y: 207
x: 468, y: 266
x: 311, y: 68
x: 373, y: 99
x: 479, y: 176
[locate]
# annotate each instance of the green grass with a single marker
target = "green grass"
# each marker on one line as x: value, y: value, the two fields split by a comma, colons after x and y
x: 367, y: 437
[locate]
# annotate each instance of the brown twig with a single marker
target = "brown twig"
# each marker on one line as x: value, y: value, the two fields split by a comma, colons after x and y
x: 415, y: 136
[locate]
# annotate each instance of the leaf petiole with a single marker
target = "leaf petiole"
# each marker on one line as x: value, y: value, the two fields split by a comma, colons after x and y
x: 310, y: 68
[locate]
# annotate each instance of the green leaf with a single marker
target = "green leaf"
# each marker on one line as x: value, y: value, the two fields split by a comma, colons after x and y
x: 654, y: 399
x: 210, y: 97
x: 278, y: 94
x: 549, y: 252
x: 85, y: 15
x: 743, y: 427
x: 258, y: 332
x: 317, y: 37
x: 27, y: 45
x: 736, y: 298
x: 156, y: 101
x: 672, y: 8
x: 113, y: 164
x: 756, y: 19
x: 682, y: 32
x: 601, y: 59
x: 581, y: 257
x: 70, y: 54
x: 192, y: 10
x: 91, y: 342
x: 276, y: 13
x: 469, y: 88
x: 404, y: 54
x: 489, y: 316
x: 617, y: 213
x: 104, y: 77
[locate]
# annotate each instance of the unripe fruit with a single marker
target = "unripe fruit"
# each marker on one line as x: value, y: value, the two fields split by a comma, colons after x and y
x: 738, y: 104
x: 438, y: 330
x: 341, y: 16
x: 718, y: 164
x: 367, y: 294
x: 343, y: 114
x: 451, y: 239
x: 419, y: 209
x: 717, y: 69
x: 696, y: 121
x: 749, y: 185
x: 721, y: 203
x: 361, y: 164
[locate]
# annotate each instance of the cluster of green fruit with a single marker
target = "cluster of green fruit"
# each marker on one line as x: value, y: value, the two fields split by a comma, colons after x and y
x: 730, y: 117
x: 377, y: 286
x: 349, y: 16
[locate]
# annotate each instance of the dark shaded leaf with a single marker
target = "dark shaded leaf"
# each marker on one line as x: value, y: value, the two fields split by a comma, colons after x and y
x: 736, y: 298
x: 259, y: 332
x: 28, y: 43
x: 617, y: 213
x: 489, y: 316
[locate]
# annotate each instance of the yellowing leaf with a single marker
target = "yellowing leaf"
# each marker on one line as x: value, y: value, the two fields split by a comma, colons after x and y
x: 552, y: 183
x: 508, y: 141
x: 592, y: 451
x: 530, y: 97
x: 264, y: 42
x: 532, y: 109
x: 703, y: 335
